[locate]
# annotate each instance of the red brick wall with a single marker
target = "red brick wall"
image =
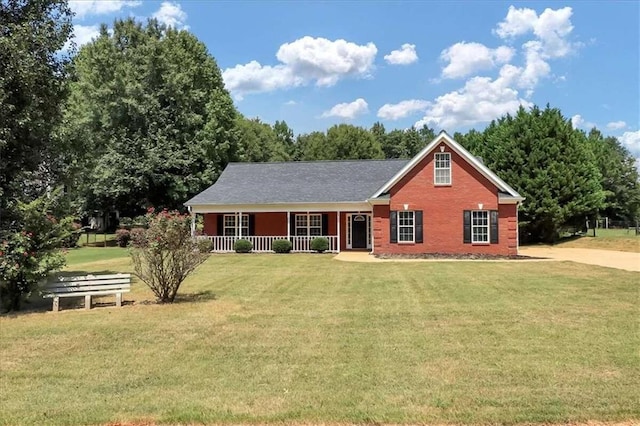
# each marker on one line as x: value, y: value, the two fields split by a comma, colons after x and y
x: 443, y: 208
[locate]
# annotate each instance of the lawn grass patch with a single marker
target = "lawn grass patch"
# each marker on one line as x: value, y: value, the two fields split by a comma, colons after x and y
x: 605, y: 239
x: 304, y: 338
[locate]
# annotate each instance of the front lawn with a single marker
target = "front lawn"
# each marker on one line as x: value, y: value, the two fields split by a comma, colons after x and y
x: 307, y: 339
x: 605, y: 239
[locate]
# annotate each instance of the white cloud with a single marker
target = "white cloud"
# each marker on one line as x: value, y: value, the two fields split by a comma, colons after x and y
x: 577, y: 121
x: 303, y: 61
x: 82, y: 34
x: 402, y: 109
x: 291, y: 103
x: 172, y: 15
x: 631, y: 140
x: 404, y: 56
x: 517, y: 22
x: 83, y: 8
x: 348, y: 110
x: 467, y: 58
x: 616, y: 125
x: 480, y: 100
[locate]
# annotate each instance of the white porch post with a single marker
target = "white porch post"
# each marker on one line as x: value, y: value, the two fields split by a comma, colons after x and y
x: 193, y: 223
x: 338, y: 226
x: 288, y: 225
x: 238, y: 225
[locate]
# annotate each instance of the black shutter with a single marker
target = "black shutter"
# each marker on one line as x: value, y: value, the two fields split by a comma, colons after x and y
x: 220, y: 229
x: 493, y: 231
x: 466, y: 223
x: 418, y: 224
x: 292, y: 225
x: 252, y: 224
x: 393, y: 226
x: 325, y: 224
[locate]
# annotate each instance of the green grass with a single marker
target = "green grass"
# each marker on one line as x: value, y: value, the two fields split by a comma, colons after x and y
x: 78, y: 256
x: 304, y: 338
x: 605, y: 239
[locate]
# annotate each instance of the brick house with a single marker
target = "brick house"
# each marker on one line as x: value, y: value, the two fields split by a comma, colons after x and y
x: 444, y: 200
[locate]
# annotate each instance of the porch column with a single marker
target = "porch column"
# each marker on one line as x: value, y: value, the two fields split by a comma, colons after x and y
x: 238, y: 225
x: 338, y: 226
x: 193, y: 223
x: 288, y: 225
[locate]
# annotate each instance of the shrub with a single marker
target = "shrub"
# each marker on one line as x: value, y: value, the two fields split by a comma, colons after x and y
x: 164, y: 254
x: 242, y: 246
x: 204, y: 245
x: 282, y: 246
x: 125, y: 222
x: 123, y: 236
x: 75, y: 230
x: 320, y: 244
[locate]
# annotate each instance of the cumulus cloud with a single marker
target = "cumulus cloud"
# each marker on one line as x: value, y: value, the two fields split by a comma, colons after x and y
x: 616, y: 125
x: 631, y: 140
x: 482, y: 99
x: 303, y: 61
x: 172, y: 15
x: 83, y: 8
x: 402, y: 109
x: 404, y: 56
x: 467, y: 58
x: 82, y: 34
x: 348, y: 110
x: 578, y: 122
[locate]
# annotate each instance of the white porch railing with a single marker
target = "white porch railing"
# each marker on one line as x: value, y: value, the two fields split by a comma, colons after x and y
x: 262, y: 244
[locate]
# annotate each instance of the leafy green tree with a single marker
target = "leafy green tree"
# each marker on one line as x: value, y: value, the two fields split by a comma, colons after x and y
x: 149, y: 107
x: 342, y: 142
x: 619, y: 177
x: 32, y: 87
x: 30, y: 249
x: 284, y: 135
x: 541, y: 156
x: 259, y: 142
x: 311, y: 146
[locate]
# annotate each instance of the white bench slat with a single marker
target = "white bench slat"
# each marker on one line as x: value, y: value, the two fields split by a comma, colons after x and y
x: 88, y: 288
x: 86, y: 293
x: 91, y: 277
x: 56, y: 284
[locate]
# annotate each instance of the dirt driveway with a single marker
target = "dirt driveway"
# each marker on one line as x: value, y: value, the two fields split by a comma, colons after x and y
x: 609, y: 258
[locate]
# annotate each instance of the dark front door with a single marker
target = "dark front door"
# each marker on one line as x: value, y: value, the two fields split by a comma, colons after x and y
x: 358, y: 231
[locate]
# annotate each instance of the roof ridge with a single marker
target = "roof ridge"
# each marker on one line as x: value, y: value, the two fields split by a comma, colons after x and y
x: 317, y: 161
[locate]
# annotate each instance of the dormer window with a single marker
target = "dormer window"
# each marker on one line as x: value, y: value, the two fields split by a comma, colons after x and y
x: 442, y: 168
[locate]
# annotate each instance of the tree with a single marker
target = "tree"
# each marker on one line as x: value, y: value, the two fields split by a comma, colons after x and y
x: 545, y: 160
x: 284, y: 135
x: 619, y: 177
x: 311, y: 146
x: 29, y: 250
x: 32, y: 87
x: 165, y: 254
x: 149, y: 106
x: 259, y: 142
x: 342, y: 142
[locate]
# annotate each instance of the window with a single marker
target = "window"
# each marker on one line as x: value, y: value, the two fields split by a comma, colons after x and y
x: 309, y: 224
x: 406, y: 227
x: 442, y: 168
x: 480, y: 226
x: 230, y: 226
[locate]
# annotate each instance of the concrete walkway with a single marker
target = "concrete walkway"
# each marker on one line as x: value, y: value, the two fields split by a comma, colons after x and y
x: 607, y: 258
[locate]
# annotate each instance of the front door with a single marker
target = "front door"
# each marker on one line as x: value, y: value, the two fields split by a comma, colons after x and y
x: 359, y: 231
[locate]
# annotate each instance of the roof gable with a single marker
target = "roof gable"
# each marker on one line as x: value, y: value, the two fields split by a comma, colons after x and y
x: 462, y: 152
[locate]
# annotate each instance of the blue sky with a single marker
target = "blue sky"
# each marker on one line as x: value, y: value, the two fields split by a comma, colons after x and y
x: 451, y: 65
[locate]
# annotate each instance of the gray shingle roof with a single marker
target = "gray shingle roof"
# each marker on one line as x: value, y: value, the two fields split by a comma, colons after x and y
x: 299, y: 182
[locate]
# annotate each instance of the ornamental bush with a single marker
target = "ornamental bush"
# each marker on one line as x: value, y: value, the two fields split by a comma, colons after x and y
x: 282, y: 246
x: 164, y: 254
x: 320, y: 244
x: 123, y: 236
x: 242, y: 246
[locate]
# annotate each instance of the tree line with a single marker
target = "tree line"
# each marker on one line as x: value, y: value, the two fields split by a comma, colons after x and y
x: 140, y: 117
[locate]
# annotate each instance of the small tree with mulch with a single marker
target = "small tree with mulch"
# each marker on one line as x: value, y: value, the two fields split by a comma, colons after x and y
x: 164, y: 254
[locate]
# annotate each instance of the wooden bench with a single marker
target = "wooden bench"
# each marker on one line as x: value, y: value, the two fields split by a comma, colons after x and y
x: 87, y: 286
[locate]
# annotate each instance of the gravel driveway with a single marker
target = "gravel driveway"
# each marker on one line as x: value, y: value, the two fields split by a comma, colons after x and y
x: 609, y: 258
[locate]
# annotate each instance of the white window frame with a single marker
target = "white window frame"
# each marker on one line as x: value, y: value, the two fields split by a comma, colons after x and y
x: 230, y: 223
x: 475, y: 214
x: 406, y: 215
x: 311, y: 223
x: 438, y: 159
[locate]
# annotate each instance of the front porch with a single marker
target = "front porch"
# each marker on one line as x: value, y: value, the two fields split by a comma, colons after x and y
x: 343, y: 230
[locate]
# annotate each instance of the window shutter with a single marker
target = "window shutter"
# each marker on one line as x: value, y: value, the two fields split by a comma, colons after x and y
x: 325, y: 224
x: 393, y: 226
x: 466, y: 223
x: 292, y: 225
x: 418, y: 225
x: 220, y: 229
x: 493, y: 222
x: 252, y: 224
